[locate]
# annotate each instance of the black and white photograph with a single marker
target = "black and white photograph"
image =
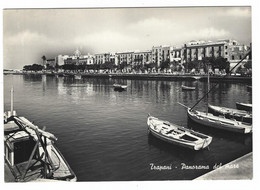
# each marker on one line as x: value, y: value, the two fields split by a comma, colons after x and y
x: 143, y: 93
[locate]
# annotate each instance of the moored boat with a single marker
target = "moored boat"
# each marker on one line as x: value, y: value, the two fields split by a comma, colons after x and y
x: 177, y: 135
x: 77, y: 76
x: 218, y: 122
x: 230, y: 113
x: 187, y: 87
x: 244, y: 106
x: 30, y: 152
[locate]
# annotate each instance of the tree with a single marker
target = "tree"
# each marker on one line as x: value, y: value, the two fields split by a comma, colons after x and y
x: 165, y: 64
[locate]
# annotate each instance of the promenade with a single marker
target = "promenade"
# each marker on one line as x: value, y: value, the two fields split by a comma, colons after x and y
x: 241, y: 168
x: 148, y: 76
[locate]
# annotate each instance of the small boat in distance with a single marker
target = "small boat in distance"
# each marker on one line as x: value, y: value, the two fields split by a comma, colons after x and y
x: 196, y: 77
x: 119, y: 87
x: 219, y: 122
x: 77, y: 76
x: 230, y: 113
x: 244, y: 106
x: 187, y: 87
x: 177, y: 135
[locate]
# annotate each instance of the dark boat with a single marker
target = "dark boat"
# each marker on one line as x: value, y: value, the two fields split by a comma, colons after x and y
x: 177, y: 135
x: 230, y: 113
x: 244, y: 106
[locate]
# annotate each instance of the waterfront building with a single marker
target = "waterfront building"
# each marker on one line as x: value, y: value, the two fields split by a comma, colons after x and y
x: 125, y: 58
x: 60, y: 59
x: 142, y: 57
x: 102, y: 58
x: 175, y: 54
x: 164, y: 53
x: 229, y: 49
x: 51, y: 62
x: 157, y: 55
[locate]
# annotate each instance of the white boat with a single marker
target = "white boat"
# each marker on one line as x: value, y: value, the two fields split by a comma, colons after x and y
x: 239, y: 115
x: 218, y: 122
x: 187, y: 87
x: 177, y: 135
x: 119, y: 86
x: 244, y: 106
x: 196, y: 77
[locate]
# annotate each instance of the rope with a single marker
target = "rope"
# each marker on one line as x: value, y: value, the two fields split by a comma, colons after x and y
x: 217, y: 83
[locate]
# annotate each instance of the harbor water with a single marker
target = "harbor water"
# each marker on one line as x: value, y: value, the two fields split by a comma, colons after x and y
x: 102, y: 133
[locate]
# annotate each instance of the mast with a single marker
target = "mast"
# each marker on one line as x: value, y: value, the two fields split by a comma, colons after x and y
x: 208, y: 90
x: 12, y: 100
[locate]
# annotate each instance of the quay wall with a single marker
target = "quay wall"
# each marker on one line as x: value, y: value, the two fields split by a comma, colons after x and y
x: 246, y: 79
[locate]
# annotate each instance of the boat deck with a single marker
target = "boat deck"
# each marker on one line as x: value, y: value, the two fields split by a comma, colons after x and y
x: 34, y: 172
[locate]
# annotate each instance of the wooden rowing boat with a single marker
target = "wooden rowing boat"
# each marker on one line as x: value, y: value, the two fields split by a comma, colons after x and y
x: 218, y: 122
x: 244, y: 106
x: 230, y: 113
x: 177, y: 135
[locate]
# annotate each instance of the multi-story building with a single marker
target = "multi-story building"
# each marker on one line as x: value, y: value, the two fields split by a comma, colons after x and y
x: 102, y: 58
x: 142, y: 57
x: 157, y: 55
x: 197, y: 50
x: 125, y: 57
x: 175, y: 54
x: 165, y: 53
x: 61, y: 58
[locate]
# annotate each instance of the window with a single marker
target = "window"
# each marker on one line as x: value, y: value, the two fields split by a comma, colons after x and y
x: 225, y: 47
x: 233, y: 57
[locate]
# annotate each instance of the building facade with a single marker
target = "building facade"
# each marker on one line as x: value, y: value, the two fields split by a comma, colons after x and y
x: 142, y: 57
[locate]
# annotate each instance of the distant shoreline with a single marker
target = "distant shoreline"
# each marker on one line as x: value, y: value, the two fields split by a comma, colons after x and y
x: 147, y: 76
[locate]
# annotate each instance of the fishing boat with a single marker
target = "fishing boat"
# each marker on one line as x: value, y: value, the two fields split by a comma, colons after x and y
x: 177, y: 135
x: 187, y: 87
x: 119, y: 87
x: 244, y: 106
x: 219, y: 122
x: 30, y: 152
x: 230, y: 113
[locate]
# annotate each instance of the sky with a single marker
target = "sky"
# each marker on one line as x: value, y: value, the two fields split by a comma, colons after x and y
x: 28, y: 34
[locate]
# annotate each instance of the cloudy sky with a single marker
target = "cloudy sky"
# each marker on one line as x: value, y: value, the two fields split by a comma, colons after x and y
x: 28, y: 34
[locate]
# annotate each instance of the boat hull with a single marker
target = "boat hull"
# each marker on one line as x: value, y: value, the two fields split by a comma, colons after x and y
x: 229, y: 113
x: 218, y: 122
x: 242, y: 106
